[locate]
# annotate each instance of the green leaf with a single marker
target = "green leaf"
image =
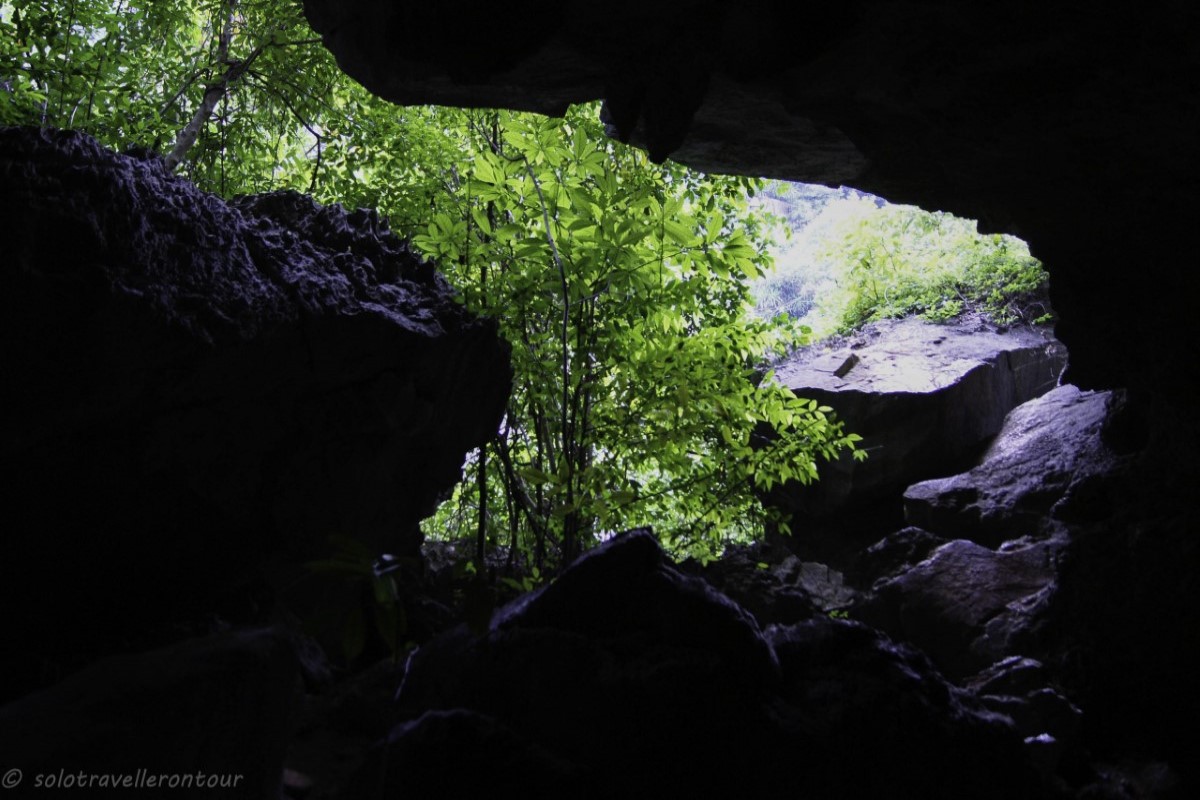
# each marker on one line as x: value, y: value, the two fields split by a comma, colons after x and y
x: 679, y: 233
x: 534, y: 475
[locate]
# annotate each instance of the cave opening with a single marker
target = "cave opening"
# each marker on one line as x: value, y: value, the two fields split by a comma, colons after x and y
x: 924, y: 334
x: 278, y: 370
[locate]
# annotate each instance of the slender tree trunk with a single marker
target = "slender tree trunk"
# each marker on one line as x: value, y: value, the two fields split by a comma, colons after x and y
x: 569, y: 544
x: 523, y: 502
x: 62, y: 83
x: 510, y: 497
x: 214, y: 92
x: 481, y: 483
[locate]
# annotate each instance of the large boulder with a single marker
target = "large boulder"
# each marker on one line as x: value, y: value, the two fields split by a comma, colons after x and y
x: 946, y: 603
x: 925, y: 398
x: 194, y: 384
x: 1041, y: 480
x: 1049, y: 448
x: 625, y: 678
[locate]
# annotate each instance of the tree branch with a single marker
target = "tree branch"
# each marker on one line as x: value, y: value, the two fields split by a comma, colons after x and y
x: 214, y: 92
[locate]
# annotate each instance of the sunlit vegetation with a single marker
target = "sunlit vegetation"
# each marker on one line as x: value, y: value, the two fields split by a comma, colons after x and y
x: 857, y: 259
x: 623, y: 286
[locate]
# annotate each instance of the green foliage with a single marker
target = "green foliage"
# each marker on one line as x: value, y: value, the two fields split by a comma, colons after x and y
x: 525, y: 583
x: 868, y: 262
x: 906, y: 261
x: 134, y: 73
x: 623, y: 286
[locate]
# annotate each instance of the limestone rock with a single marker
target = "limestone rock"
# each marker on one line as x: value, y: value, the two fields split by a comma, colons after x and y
x: 626, y: 588
x: 1121, y: 624
x: 895, y: 552
x: 827, y: 587
x: 944, y: 604
x: 1019, y: 625
x: 1048, y: 447
x: 924, y: 397
x: 1049, y: 723
x: 193, y: 385
x: 1014, y: 675
x: 781, y: 593
x: 884, y: 723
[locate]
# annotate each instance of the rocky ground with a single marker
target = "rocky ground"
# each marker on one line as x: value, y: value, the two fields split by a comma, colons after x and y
x: 924, y: 654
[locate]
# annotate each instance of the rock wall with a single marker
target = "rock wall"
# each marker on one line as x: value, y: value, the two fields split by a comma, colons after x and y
x: 925, y: 398
x: 192, y: 385
x: 1061, y: 548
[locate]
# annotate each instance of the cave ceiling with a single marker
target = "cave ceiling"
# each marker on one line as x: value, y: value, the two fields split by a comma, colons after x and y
x: 1072, y: 127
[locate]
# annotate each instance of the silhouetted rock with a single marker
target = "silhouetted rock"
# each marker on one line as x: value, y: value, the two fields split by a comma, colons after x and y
x: 1119, y: 632
x: 634, y: 680
x: 1048, y: 723
x: 193, y: 384
x: 866, y: 717
x: 1009, y: 113
x: 491, y: 759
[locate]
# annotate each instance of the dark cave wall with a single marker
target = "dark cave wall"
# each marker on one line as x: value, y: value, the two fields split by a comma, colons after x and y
x: 195, y: 387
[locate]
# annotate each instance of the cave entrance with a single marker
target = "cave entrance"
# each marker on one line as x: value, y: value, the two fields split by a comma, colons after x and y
x: 923, y: 335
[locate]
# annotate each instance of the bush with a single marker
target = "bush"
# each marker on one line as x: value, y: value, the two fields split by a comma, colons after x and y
x: 860, y: 261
